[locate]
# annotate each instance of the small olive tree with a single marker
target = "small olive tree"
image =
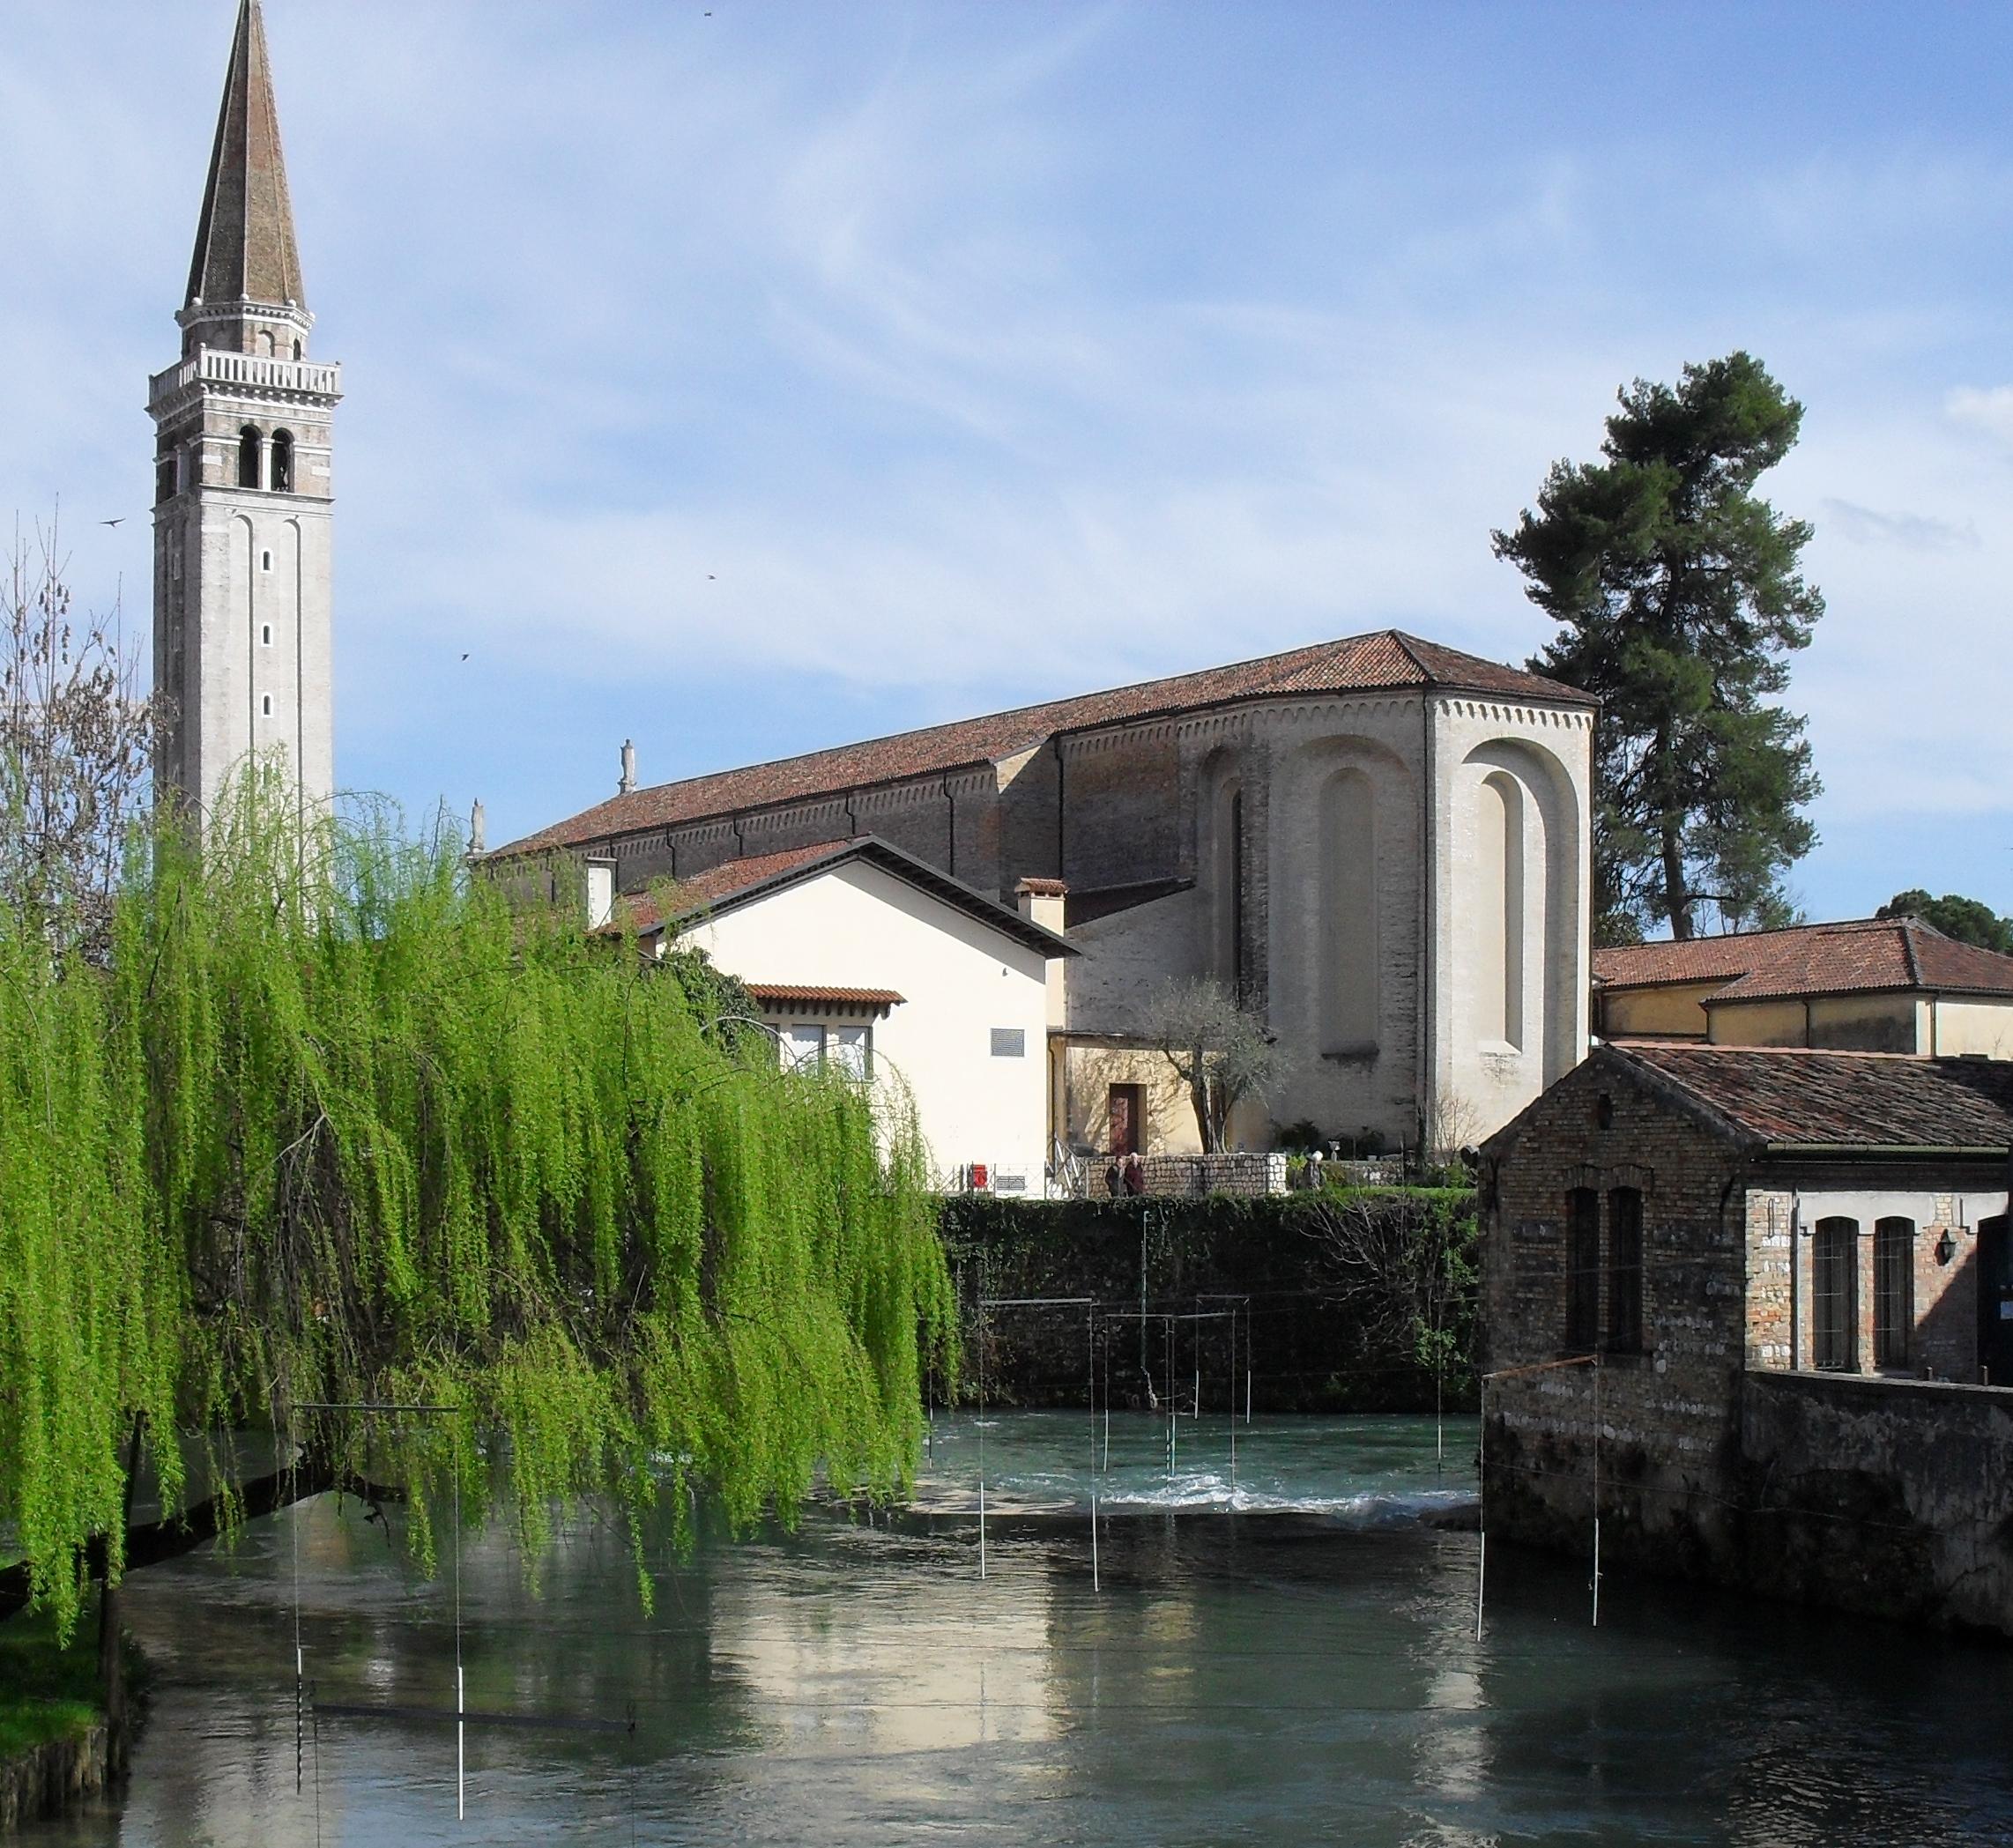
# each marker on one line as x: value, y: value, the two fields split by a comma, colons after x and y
x: 76, y: 748
x: 1219, y: 1050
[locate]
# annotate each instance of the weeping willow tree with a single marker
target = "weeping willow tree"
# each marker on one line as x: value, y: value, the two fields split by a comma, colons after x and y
x: 335, y: 1125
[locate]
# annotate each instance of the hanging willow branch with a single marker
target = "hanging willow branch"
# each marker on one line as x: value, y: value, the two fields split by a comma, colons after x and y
x: 340, y: 1126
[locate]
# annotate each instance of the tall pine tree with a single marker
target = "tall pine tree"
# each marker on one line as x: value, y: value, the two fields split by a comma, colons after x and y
x: 1679, y: 596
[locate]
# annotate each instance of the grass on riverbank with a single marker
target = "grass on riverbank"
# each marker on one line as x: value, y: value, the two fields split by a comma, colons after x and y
x: 47, y: 1691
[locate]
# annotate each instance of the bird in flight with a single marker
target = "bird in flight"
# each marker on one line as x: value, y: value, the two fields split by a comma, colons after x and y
x: 120, y: 520
x: 464, y: 657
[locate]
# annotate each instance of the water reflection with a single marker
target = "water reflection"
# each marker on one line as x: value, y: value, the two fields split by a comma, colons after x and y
x: 1289, y: 1677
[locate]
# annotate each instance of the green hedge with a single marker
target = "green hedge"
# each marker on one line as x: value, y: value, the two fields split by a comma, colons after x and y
x: 1309, y: 1344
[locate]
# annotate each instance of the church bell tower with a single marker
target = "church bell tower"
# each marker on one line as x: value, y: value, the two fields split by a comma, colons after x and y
x: 242, y: 488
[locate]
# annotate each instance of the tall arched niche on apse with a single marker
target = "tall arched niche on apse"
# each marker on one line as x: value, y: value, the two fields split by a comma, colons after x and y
x: 1350, y: 987
x: 1518, y: 923
x: 1220, y: 859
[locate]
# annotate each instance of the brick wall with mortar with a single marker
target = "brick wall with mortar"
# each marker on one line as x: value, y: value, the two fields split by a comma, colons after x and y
x: 1858, y: 1489
x: 1668, y: 1414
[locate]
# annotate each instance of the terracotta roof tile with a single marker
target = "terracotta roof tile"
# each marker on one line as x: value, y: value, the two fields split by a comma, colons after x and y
x: 1860, y: 956
x: 727, y: 880
x: 1358, y: 663
x: 721, y: 885
x: 785, y: 994
x: 1837, y: 1099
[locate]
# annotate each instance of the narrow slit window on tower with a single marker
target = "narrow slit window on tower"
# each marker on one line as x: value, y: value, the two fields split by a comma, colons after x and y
x: 282, y: 462
x: 248, y: 457
x: 265, y: 561
x: 265, y: 705
x: 265, y: 634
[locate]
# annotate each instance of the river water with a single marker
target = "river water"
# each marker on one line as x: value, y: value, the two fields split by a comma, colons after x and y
x: 1276, y: 1649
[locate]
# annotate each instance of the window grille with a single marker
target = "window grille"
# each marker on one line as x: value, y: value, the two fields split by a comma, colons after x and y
x: 1893, y: 1291
x: 1834, y: 1295
x: 1625, y: 1270
x: 1009, y: 1043
x: 1582, y: 1270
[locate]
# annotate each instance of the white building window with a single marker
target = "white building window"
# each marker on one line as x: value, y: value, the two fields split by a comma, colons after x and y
x: 265, y: 634
x: 265, y: 561
x: 850, y: 1051
x: 843, y: 1048
x: 265, y: 705
x: 1009, y: 1043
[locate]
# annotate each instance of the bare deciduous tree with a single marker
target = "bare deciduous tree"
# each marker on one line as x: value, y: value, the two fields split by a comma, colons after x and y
x: 1404, y: 1264
x: 1219, y: 1050
x: 76, y: 748
x: 1451, y: 1123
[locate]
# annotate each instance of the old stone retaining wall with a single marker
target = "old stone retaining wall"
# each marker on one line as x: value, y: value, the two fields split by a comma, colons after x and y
x: 1886, y: 1495
x: 48, y: 1779
x: 1880, y: 1494
x: 1306, y: 1350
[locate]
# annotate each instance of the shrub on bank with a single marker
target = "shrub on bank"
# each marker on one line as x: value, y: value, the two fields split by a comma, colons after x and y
x: 1352, y: 1298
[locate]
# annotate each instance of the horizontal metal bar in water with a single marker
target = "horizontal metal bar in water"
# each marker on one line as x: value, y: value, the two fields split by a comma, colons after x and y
x: 1035, y: 1302
x: 542, y: 1722
x: 372, y: 1405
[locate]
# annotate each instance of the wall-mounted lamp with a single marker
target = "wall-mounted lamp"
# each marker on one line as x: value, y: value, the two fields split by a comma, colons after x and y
x: 1946, y: 1247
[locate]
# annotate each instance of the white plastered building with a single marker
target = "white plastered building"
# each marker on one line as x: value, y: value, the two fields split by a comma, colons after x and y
x: 869, y: 961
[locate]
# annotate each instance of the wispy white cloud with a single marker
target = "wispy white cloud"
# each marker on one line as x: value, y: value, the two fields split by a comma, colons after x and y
x: 899, y: 361
x: 1989, y: 409
x: 1912, y: 532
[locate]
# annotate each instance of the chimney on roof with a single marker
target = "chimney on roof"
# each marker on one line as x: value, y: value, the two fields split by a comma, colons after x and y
x: 478, y: 828
x: 628, y: 785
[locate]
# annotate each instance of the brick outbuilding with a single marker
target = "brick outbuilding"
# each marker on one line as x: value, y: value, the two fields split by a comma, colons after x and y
x: 1786, y: 1277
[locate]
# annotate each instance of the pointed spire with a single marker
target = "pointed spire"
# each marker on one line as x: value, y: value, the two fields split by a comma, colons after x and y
x: 244, y: 245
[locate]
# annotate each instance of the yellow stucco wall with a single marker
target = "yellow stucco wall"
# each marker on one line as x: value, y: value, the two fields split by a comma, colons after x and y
x: 1657, y: 1012
x: 1091, y: 1069
x: 1974, y: 1026
x: 1758, y: 1023
x: 1869, y: 1023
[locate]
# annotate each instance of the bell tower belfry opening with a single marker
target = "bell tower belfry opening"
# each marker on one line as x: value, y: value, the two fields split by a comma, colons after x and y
x: 242, y: 474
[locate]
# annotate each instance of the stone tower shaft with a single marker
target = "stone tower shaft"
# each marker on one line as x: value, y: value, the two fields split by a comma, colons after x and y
x: 243, y: 483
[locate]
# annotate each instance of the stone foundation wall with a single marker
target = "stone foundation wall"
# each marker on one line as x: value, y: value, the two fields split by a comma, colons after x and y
x: 1892, y: 1496
x: 47, y: 1779
x: 1307, y: 1352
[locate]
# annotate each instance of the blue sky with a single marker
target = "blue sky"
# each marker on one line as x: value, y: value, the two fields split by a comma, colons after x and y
x: 750, y: 379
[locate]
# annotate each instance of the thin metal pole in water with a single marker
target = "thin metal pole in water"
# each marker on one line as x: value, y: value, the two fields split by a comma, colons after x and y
x: 299, y: 1678
x: 460, y: 1702
x: 1090, y: 1355
x: 1480, y: 1502
x: 1597, y: 1492
x: 1232, y: 1384
x: 1171, y: 1405
x: 1107, y: 1402
x: 982, y: 1424
x: 1439, y: 1422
